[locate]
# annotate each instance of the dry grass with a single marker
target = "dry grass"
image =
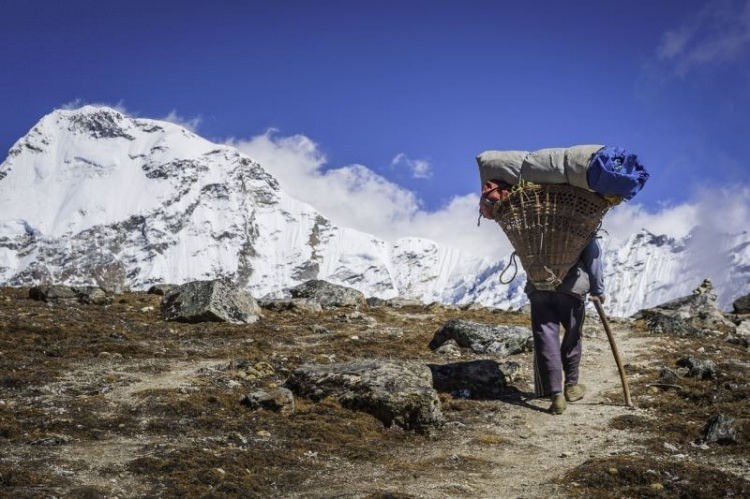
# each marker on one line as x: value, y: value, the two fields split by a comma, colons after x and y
x: 101, y: 401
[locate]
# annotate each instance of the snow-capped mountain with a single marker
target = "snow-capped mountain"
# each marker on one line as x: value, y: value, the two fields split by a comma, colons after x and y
x: 92, y: 196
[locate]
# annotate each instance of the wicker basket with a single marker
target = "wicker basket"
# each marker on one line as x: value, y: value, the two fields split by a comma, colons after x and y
x: 548, y: 226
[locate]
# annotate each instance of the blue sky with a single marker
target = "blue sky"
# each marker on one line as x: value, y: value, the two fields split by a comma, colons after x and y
x: 402, y: 95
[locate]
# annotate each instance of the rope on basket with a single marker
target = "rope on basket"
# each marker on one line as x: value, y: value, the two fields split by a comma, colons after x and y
x: 513, y: 262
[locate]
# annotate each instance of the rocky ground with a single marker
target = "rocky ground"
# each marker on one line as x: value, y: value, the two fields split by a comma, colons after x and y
x: 102, y: 397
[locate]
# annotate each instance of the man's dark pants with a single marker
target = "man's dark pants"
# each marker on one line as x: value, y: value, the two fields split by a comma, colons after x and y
x: 549, y: 311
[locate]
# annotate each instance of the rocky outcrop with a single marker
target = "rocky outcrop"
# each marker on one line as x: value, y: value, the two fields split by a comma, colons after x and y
x: 695, y: 314
x: 329, y: 295
x: 398, y: 394
x: 484, y: 338
x: 209, y: 301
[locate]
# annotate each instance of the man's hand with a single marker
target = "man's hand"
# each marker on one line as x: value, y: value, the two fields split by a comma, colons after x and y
x: 602, y: 298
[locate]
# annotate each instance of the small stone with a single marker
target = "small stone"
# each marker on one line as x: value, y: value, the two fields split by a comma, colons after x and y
x: 354, y: 337
x: 656, y: 486
x: 263, y: 433
x: 653, y: 390
x: 147, y: 309
x: 670, y: 447
x: 612, y: 471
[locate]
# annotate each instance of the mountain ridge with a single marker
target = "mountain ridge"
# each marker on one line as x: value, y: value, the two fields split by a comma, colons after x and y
x: 95, y: 196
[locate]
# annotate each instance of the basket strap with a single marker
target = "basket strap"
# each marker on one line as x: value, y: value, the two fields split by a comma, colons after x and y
x: 513, y: 262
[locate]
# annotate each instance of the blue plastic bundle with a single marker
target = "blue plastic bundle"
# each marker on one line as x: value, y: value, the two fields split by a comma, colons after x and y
x: 615, y: 172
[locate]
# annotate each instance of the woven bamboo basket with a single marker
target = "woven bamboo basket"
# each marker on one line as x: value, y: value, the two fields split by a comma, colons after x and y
x: 549, y: 225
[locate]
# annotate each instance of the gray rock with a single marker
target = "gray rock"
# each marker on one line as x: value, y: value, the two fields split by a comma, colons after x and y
x: 742, y: 305
x: 511, y: 370
x: 668, y: 376
x: 396, y: 393
x: 401, y: 302
x: 291, y: 304
x: 397, y: 302
x: 659, y: 322
x: 161, y: 289
x: 478, y: 379
x: 483, y: 338
x: 278, y: 400
x: 209, y: 301
x: 720, y: 429
x: 698, y: 368
x: 690, y: 315
x: 93, y: 295
x: 741, y: 334
x: 450, y: 349
x: 374, y: 302
x: 53, y: 293
x: 329, y: 295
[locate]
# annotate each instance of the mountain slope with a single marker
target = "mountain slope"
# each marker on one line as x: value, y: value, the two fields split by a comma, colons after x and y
x: 92, y: 196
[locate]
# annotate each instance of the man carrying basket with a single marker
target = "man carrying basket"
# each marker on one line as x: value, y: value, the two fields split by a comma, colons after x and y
x: 565, y: 306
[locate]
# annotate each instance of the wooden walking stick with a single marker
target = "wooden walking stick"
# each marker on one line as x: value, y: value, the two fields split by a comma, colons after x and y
x: 615, y: 352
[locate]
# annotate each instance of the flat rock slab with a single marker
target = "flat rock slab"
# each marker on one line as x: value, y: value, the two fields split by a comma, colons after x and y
x: 396, y: 393
x: 329, y: 295
x: 209, y: 301
x: 484, y: 338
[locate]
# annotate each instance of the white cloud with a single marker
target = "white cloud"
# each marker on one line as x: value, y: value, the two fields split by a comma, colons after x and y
x: 355, y: 196
x: 419, y: 168
x: 189, y: 123
x: 626, y: 219
x: 79, y: 103
x: 719, y: 32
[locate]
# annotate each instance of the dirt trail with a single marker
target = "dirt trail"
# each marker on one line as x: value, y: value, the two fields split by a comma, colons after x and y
x: 514, y: 449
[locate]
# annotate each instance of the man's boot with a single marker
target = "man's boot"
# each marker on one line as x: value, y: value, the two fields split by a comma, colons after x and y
x: 574, y: 392
x: 558, y: 404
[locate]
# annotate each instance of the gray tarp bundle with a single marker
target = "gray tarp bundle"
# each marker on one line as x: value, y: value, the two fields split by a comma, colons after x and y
x: 557, y: 165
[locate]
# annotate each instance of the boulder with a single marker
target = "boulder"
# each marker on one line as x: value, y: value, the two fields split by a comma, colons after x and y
x: 397, y: 393
x: 698, y: 368
x: 209, y: 301
x: 484, y: 338
x: 720, y: 429
x: 53, y: 293
x: 478, y: 379
x: 278, y: 400
x: 329, y: 295
x: 742, y: 305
